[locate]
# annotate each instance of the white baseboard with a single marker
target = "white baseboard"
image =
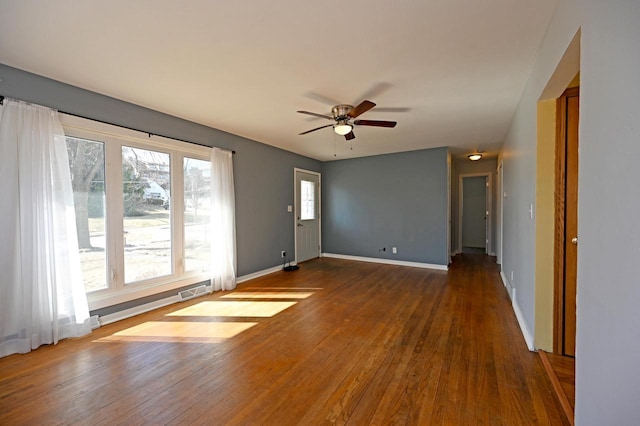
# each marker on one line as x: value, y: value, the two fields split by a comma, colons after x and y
x: 528, y: 337
x: 388, y: 261
x: 505, y: 283
x: 258, y: 274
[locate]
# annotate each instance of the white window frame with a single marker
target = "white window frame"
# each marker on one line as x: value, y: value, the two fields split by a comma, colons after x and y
x: 114, y: 138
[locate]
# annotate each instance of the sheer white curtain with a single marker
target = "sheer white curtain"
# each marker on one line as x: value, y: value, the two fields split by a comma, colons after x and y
x: 42, y: 297
x: 223, y: 221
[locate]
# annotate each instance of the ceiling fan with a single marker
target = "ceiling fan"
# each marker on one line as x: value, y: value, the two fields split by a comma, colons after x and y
x: 344, y: 117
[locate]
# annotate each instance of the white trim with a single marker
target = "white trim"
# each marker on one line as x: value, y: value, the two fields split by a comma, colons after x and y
x: 258, y: 274
x: 489, y: 207
x: 105, y: 298
x: 295, y: 211
x: 506, y: 283
x: 137, y: 310
x: 388, y: 261
x: 528, y: 337
x: 87, y: 128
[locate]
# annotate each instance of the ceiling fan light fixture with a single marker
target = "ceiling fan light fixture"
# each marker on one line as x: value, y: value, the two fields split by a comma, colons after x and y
x: 474, y: 157
x: 343, y: 128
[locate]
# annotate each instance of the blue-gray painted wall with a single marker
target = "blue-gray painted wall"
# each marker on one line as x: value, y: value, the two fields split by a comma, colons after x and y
x: 384, y: 201
x: 263, y: 174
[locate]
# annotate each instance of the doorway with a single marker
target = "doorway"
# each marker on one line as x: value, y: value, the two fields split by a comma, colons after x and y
x: 566, y: 222
x: 307, y: 215
x: 474, y: 228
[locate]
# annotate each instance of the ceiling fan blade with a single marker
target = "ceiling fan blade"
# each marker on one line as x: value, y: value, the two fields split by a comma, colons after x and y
x: 350, y: 136
x: 317, y: 128
x: 316, y: 114
x: 376, y: 123
x: 325, y: 99
x: 360, y: 109
x: 376, y: 90
x: 393, y: 109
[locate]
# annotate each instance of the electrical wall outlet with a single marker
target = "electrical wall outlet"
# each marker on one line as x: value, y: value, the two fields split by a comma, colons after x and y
x: 283, y: 253
x: 394, y: 250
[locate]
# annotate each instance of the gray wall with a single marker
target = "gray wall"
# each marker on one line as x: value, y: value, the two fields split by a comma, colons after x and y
x: 608, y: 335
x: 263, y: 174
x: 519, y: 160
x: 608, y: 338
x: 384, y: 201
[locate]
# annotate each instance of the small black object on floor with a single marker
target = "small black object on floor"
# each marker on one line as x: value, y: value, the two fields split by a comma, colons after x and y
x: 289, y: 267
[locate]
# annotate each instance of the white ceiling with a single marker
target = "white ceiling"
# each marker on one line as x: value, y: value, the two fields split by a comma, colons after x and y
x: 455, y: 69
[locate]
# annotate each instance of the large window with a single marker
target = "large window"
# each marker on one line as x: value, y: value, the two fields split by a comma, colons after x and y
x: 197, y: 211
x: 142, y: 211
x: 146, y: 179
x: 86, y: 163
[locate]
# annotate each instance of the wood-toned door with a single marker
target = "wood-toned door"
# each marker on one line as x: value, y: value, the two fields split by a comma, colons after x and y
x: 567, y: 222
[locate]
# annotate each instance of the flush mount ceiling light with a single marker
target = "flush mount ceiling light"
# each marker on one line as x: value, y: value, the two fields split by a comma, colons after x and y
x: 474, y: 157
x: 342, y: 128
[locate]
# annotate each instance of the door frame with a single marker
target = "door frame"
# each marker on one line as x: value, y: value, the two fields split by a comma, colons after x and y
x: 560, y: 213
x: 489, y: 216
x: 295, y: 211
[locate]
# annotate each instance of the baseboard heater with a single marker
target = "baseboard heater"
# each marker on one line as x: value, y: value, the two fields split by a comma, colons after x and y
x: 190, y: 293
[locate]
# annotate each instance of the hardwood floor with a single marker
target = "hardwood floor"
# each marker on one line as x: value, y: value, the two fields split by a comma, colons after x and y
x: 562, y: 373
x: 335, y: 342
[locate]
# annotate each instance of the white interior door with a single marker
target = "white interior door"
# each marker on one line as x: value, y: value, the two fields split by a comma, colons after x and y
x: 307, y: 215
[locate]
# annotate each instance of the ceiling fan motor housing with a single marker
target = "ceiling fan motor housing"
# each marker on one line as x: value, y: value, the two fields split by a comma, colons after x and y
x: 340, y: 112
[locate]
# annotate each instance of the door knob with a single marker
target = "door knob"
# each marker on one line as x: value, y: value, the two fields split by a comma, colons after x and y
x: 300, y: 224
x: 574, y: 240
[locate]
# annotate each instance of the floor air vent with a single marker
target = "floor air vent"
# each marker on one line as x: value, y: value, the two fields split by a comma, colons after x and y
x: 192, y: 292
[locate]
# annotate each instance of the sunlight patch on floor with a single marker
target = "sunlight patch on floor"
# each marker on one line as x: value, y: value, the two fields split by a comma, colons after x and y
x: 267, y: 295
x: 172, y: 331
x: 285, y: 288
x: 228, y: 308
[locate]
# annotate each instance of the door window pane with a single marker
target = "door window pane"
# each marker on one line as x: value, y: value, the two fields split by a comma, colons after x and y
x: 197, y: 214
x: 86, y: 164
x: 146, y: 182
x: 307, y: 200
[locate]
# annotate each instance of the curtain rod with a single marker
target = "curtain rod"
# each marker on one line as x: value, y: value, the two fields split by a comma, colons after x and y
x: 126, y: 127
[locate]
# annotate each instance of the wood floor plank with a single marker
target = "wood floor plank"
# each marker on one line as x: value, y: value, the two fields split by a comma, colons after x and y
x: 337, y: 342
